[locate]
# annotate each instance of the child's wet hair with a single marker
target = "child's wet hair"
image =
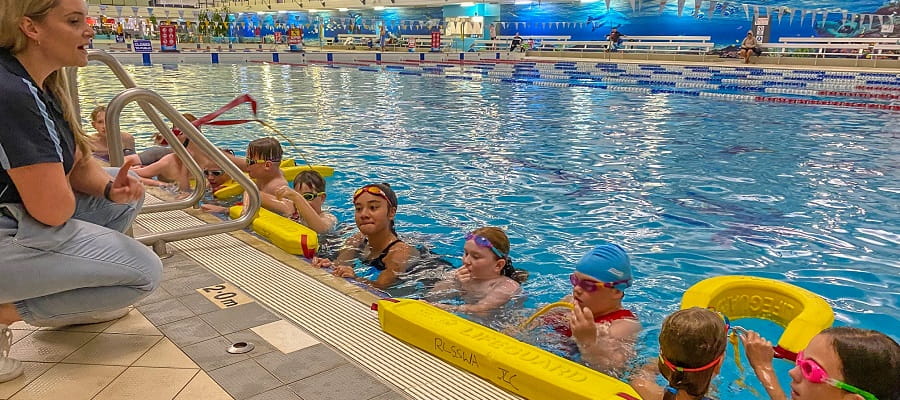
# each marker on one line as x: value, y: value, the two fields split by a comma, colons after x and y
x: 96, y: 112
x: 266, y: 148
x: 500, y: 242
x: 870, y: 360
x: 691, y: 338
x: 311, y: 178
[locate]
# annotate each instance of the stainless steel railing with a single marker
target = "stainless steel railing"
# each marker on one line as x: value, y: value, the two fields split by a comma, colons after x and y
x: 152, y: 104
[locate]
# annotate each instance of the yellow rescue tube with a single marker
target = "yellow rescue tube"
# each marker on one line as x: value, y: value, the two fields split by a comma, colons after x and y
x: 802, y: 313
x: 288, y: 235
x: 515, y: 366
x: 290, y: 172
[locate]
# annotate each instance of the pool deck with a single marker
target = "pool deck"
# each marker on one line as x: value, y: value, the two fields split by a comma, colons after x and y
x: 314, y: 336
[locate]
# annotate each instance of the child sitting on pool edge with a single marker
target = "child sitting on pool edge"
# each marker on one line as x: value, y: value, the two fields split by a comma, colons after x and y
x: 604, y: 331
x: 487, y: 280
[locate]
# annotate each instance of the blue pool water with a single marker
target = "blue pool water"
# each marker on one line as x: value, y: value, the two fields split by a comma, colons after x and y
x: 692, y: 187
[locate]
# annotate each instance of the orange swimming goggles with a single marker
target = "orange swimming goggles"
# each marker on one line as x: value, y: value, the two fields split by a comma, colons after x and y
x: 372, y: 189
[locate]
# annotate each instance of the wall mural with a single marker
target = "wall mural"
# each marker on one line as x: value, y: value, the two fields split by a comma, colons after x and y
x: 726, y: 22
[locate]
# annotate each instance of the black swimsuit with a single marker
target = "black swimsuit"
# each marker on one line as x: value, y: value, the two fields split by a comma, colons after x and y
x: 378, y: 262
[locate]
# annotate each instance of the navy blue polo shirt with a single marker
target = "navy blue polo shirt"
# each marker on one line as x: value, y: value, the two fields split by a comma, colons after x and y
x: 32, y: 127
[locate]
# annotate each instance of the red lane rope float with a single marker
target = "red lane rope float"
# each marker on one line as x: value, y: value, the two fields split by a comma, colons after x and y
x: 883, y: 96
x: 787, y: 100
x: 882, y: 88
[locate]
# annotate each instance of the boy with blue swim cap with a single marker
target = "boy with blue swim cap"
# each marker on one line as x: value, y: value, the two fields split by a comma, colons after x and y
x: 604, y: 331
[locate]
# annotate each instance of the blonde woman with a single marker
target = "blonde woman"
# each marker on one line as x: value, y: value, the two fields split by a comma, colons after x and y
x: 64, y: 257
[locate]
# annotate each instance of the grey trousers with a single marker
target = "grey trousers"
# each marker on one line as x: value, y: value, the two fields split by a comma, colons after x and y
x: 83, y: 266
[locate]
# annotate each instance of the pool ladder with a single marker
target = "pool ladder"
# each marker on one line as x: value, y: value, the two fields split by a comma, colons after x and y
x: 153, y: 104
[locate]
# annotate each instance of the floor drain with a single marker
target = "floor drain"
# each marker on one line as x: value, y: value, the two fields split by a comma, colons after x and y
x: 240, y: 348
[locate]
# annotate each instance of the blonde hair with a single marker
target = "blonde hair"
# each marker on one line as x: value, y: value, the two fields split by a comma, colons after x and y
x: 13, y: 39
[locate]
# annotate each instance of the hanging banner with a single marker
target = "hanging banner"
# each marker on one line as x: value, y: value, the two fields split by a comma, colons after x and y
x: 680, y: 6
x: 168, y: 40
x: 436, y: 40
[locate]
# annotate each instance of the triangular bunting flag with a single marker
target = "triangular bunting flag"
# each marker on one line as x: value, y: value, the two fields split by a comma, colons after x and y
x: 844, y: 16
x: 181, y: 14
x: 680, y: 7
x: 662, y: 5
x: 119, y: 10
x: 632, y: 2
x: 697, y: 8
x: 607, y: 5
x: 150, y: 11
x: 813, y: 21
x: 803, y: 16
x: 712, y: 8
x: 755, y: 12
x: 781, y: 12
x: 134, y: 11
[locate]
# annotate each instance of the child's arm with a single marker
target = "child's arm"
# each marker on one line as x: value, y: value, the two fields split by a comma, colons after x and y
x: 644, y: 381
x: 271, y: 203
x: 496, y: 298
x: 313, y: 220
x: 760, y: 354
x: 605, y: 347
x: 445, y: 289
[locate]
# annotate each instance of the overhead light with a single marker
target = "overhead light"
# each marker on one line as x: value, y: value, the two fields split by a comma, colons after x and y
x: 477, y: 18
x: 466, y: 4
x: 522, y: 2
x: 313, y: 11
x: 379, y: 8
x: 282, y: 12
x: 343, y: 9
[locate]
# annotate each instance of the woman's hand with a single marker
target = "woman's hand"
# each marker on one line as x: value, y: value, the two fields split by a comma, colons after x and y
x: 583, y: 327
x: 343, y: 271
x: 125, y: 188
x: 321, y: 262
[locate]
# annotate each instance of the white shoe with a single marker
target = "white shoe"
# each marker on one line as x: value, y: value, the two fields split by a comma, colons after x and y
x: 94, y: 318
x: 9, y: 368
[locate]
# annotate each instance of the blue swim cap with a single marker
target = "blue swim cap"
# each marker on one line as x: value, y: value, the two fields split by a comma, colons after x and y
x: 607, y: 263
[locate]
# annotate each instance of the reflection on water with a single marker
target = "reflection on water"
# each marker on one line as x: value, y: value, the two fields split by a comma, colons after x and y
x: 692, y: 187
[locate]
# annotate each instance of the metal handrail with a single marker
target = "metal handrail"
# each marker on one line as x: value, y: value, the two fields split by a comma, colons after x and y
x: 151, y: 103
x: 150, y: 98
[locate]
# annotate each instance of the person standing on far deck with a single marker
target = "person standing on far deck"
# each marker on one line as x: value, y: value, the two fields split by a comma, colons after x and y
x: 63, y: 257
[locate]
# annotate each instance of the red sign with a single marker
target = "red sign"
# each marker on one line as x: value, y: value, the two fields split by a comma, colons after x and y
x: 295, y: 36
x: 277, y: 37
x: 167, y: 37
x: 436, y: 40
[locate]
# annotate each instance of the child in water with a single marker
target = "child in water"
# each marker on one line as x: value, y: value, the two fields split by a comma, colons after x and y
x: 603, y: 330
x: 487, y: 280
x: 691, y: 351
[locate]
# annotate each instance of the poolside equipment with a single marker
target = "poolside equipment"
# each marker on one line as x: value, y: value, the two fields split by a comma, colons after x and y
x: 288, y: 235
x: 802, y: 313
x: 515, y: 366
x: 288, y: 168
x: 545, y: 309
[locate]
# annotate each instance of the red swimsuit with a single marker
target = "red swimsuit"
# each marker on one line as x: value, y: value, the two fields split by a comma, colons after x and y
x: 562, y: 326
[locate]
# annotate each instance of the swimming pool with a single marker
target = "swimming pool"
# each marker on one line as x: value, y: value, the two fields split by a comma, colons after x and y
x: 692, y: 186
